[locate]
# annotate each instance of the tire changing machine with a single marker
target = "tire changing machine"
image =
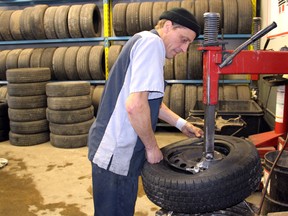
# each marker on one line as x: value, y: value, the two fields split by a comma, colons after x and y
x: 219, y: 61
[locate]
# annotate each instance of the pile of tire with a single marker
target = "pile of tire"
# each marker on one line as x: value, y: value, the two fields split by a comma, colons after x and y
x: 51, y: 22
x: 4, y: 121
x: 27, y: 102
x: 70, y: 113
x: 96, y: 97
x: 182, y: 98
x: 184, y: 66
x: 65, y: 63
x: 130, y: 18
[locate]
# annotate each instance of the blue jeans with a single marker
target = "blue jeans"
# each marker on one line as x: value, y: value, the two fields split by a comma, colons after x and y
x: 113, y: 194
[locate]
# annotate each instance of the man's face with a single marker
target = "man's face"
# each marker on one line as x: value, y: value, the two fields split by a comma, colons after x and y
x: 176, y: 40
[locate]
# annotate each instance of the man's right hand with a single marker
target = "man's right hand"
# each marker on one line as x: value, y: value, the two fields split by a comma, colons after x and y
x: 154, y: 155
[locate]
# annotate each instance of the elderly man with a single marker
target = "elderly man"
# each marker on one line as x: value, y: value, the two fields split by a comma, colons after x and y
x: 122, y: 137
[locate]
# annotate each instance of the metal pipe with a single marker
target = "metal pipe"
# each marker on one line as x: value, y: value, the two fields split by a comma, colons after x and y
x: 209, y: 128
x: 246, y: 43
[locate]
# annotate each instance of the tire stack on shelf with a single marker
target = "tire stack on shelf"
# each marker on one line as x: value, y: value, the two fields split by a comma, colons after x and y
x: 70, y: 113
x: 182, y: 98
x: 51, y: 22
x: 130, y: 18
x: 27, y: 103
x: 65, y: 63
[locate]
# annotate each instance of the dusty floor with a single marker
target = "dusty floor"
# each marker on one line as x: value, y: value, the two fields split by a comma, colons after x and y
x: 43, y: 180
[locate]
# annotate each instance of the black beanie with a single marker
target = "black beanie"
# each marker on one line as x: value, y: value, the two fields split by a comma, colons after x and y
x: 182, y: 17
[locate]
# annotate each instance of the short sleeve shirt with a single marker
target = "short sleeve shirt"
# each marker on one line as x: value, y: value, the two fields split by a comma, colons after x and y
x: 138, y: 68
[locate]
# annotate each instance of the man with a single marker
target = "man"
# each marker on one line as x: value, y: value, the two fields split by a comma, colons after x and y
x: 122, y: 137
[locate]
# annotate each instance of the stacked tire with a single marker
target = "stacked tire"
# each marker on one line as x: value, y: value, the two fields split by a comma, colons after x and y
x: 70, y: 113
x: 130, y: 18
x: 65, y: 63
x: 182, y: 98
x: 51, y: 22
x: 27, y: 102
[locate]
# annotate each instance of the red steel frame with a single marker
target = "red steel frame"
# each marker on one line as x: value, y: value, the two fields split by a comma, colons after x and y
x: 245, y: 62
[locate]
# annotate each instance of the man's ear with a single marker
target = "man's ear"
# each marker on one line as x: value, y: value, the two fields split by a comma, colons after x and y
x: 167, y: 26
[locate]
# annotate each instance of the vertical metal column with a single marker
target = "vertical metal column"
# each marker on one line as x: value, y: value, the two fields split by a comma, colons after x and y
x: 107, y: 6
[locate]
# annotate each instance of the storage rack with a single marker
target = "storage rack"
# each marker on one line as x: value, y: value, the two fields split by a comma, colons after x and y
x: 107, y: 36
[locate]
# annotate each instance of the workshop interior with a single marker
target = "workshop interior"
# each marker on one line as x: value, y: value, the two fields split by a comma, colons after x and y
x: 55, y: 57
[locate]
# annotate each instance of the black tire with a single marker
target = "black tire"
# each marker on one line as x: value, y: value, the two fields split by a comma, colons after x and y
x: 230, y: 11
x: 71, y: 141
x: 173, y: 4
x: 97, y: 63
x: 132, y: 18
x: 25, y: 23
x: 69, y: 103
x: 5, y: 25
x: 35, y: 60
x: 47, y: 59
x: 82, y: 62
x: 37, y: 21
x: 245, y: 16
x: 61, y: 22
x: 200, y: 93
x: 26, y: 89
x: 74, y: 21
x: 113, y: 54
x: 220, y: 93
x: 69, y: 116
x: 201, y: 7
x: 49, y: 17
x: 70, y: 63
x: 28, y: 75
x: 243, y: 92
x: 166, y: 98
x: 195, y: 63
x: 145, y: 16
x: 217, y: 7
x: 189, y: 5
x: 158, y: 9
x: 225, y: 183
x: 90, y: 21
x: 27, y: 102
x: 230, y: 92
x: 119, y: 19
x: 12, y: 58
x: 58, y: 63
x: 190, y: 98
x: 28, y: 139
x: 23, y: 115
x: 24, y: 58
x: 96, y: 97
x: 30, y: 127
x: 71, y: 129
x: 180, y: 66
x: 15, y: 25
x: 177, y: 99
x: 67, y: 89
x: 169, y: 69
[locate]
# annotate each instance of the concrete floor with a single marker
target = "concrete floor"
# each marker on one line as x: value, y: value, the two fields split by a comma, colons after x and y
x: 43, y: 180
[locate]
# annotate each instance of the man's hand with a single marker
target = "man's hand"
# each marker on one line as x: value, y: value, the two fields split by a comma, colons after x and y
x: 192, y: 131
x: 154, y: 155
